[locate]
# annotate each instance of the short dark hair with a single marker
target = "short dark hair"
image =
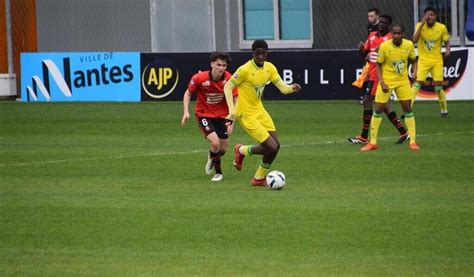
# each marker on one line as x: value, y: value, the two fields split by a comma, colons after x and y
x: 399, y: 26
x: 259, y: 43
x: 220, y: 56
x: 388, y: 17
x: 429, y: 8
x: 375, y: 10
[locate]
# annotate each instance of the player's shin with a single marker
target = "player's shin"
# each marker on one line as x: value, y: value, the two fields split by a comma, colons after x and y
x: 410, y: 122
x: 396, y: 122
x: 262, y: 170
x: 443, y: 104
x: 216, y: 162
x: 366, y: 118
x: 374, y: 127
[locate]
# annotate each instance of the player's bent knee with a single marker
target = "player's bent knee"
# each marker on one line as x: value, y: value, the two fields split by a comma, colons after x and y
x: 215, y: 144
x: 273, y: 149
x: 406, y: 107
x: 271, y: 145
x: 379, y: 110
x: 367, y: 105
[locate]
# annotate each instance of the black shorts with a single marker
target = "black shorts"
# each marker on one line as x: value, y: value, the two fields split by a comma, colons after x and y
x: 209, y: 125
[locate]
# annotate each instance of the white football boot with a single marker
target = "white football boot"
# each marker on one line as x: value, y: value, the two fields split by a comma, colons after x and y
x: 217, y: 178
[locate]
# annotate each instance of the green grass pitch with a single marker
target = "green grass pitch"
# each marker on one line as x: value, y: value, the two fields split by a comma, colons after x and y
x: 120, y: 189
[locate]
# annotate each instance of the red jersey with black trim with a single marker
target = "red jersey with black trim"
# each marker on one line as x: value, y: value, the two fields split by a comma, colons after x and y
x: 372, y: 46
x: 211, y: 99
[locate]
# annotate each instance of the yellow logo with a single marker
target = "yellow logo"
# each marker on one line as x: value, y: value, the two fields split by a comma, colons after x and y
x: 399, y: 66
x: 159, y: 79
x: 429, y: 44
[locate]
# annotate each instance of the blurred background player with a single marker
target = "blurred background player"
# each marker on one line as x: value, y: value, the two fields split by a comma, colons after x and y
x: 251, y: 79
x: 431, y: 35
x: 392, y: 68
x: 211, y: 109
x: 370, y: 49
x: 373, y: 21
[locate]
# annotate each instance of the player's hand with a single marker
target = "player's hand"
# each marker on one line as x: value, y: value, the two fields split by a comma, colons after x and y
x: 184, y: 118
x: 384, y: 86
x: 230, y: 117
x: 447, y: 53
x: 296, y: 87
x: 230, y: 127
x: 360, y: 45
x: 424, y: 19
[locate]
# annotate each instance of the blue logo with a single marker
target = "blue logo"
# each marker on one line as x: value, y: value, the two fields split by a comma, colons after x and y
x: 94, y: 76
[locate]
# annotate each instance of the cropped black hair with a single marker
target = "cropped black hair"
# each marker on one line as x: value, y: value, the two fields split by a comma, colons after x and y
x: 388, y: 17
x: 399, y: 26
x: 429, y: 8
x: 259, y: 43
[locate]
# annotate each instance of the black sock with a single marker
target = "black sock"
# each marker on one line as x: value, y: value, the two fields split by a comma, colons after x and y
x: 216, y: 161
x: 396, y: 122
x: 366, y: 118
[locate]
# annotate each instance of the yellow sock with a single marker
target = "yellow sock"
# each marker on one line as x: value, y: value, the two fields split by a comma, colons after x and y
x: 246, y: 150
x: 414, y: 91
x: 374, y: 127
x: 262, y: 170
x: 410, y: 123
x: 443, y: 104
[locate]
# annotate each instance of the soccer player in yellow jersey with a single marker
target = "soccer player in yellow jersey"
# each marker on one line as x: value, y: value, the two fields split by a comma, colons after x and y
x: 392, y: 69
x: 430, y: 36
x: 251, y: 78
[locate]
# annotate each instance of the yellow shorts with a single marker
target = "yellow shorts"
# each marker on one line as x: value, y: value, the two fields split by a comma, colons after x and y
x: 434, y: 69
x: 402, y: 90
x: 257, y: 124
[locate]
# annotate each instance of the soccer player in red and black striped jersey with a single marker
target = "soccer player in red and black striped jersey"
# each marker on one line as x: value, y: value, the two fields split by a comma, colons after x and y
x: 370, y: 49
x: 211, y: 109
x: 372, y: 26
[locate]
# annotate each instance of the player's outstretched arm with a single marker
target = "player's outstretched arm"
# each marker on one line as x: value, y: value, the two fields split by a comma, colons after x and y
x: 186, y: 100
x: 287, y: 89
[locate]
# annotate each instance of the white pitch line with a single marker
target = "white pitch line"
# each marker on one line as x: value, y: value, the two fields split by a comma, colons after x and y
x: 382, y: 138
x: 100, y: 158
x: 118, y: 157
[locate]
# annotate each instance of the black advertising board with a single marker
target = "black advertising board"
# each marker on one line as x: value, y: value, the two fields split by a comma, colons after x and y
x: 323, y: 75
